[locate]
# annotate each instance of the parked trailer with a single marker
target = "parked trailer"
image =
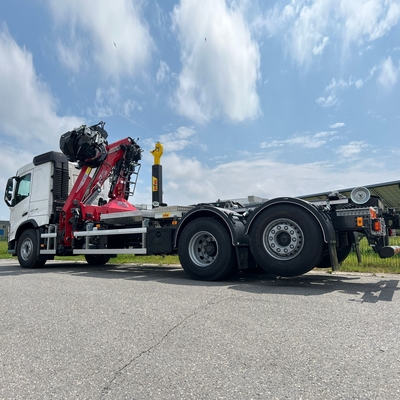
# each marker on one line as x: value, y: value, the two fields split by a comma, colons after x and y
x: 286, y: 236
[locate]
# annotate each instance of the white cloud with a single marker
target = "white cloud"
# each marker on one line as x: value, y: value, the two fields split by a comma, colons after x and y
x: 320, y: 47
x: 368, y: 19
x: 328, y: 101
x: 106, y: 101
x: 71, y: 56
x: 188, y: 181
x: 337, y: 125
x: 118, y: 39
x: 178, y: 140
x: 11, y: 158
x: 389, y: 74
x: 28, y: 110
x: 352, y: 149
x: 29, y: 124
x: 372, y: 72
x: 324, y: 134
x: 332, y: 90
x: 307, y: 25
x: 130, y: 106
x: 359, y: 83
x: 306, y: 141
x: 220, y: 62
x: 163, y: 72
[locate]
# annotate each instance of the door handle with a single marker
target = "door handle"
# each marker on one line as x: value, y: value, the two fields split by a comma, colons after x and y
x: 25, y: 213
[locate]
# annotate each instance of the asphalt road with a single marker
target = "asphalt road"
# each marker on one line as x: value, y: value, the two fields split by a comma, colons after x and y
x: 69, y: 331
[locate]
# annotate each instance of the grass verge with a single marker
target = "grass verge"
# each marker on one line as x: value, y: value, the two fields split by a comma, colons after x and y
x: 371, y: 262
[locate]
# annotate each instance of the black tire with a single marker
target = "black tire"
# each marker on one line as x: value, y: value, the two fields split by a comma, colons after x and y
x: 286, y: 240
x: 205, y: 250
x: 28, y: 250
x: 342, y: 253
x: 97, y: 259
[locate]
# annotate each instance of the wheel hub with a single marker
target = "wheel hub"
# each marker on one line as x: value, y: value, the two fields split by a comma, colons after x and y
x: 283, y: 239
x: 203, y: 249
x: 26, y: 249
x: 210, y: 248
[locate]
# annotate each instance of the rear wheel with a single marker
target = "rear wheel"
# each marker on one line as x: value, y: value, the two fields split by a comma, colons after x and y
x: 28, y: 250
x: 205, y: 250
x: 97, y: 259
x: 286, y: 240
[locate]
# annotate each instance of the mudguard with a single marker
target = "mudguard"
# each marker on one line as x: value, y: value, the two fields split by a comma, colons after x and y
x: 234, y: 222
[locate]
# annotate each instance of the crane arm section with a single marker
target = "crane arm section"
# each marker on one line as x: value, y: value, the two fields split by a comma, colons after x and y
x: 98, y: 161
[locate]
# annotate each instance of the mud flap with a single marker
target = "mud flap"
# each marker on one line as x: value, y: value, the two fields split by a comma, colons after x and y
x: 357, y: 247
x: 333, y: 255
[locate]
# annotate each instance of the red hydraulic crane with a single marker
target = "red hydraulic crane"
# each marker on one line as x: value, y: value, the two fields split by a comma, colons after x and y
x: 98, y: 161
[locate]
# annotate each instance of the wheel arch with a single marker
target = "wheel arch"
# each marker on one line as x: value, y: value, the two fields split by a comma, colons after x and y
x: 324, y: 222
x: 28, y: 224
x: 230, y: 220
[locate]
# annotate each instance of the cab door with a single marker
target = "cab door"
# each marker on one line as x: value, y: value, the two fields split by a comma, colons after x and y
x: 20, y: 203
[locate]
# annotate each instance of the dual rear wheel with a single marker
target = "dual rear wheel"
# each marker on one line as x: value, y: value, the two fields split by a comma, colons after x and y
x: 285, y: 240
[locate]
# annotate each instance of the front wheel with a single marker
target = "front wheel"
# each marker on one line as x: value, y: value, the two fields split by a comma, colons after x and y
x: 205, y: 250
x: 28, y: 250
x: 286, y: 240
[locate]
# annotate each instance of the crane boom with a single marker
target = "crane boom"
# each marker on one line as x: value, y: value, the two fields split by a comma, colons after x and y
x: 98, y: 161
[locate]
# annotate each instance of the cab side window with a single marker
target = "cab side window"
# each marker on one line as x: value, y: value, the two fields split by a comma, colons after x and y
x: 23, y: 188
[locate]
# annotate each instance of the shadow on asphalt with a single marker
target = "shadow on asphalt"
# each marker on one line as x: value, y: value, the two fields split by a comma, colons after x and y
x: 311, y: 284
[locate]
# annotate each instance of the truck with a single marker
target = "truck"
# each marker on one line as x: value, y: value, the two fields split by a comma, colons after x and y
x: 59, y: 207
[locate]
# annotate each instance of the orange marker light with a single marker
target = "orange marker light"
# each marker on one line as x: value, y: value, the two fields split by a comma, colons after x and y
x: 376, y: 226
x: 360, y: 221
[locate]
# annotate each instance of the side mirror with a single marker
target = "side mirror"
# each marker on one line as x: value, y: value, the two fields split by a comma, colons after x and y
x: 8, y: 194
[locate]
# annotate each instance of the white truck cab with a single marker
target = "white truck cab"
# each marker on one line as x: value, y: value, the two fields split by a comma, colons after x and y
x: 36, y: 194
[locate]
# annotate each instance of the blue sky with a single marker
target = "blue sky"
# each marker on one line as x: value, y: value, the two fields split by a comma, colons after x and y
x: 276, y: 98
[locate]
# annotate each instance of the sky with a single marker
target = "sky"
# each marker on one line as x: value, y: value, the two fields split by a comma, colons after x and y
x: 248, y: 97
